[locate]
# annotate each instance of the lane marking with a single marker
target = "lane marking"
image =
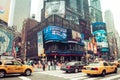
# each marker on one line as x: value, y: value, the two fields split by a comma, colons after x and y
x: 91, y: 79
x: 24, y: 78
x: 78, y: 78
x: 112, y: 77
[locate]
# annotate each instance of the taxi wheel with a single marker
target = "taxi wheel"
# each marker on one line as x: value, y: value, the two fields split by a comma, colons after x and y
x: 76, y: 70
x: 103, y: 73
x: 28, y: 72
x: 115, y: 70
x: 2, y: 74
x: 88, y: 74
x: 118, y: 65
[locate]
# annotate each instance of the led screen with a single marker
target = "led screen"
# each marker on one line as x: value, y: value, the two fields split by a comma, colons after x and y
x: 99, y: 31
x: 55, y: 33
x: 55, y: 7
x: 40, y: 43
x: 76, y: 36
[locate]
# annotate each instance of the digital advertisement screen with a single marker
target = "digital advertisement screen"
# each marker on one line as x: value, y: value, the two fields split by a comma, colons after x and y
x: 6, y: 39
x: 76, y: 36
x: 40, y: 43
x: 55, y: 33
x: 4, y: 10
x: 100, y: 33
x: 55, y: 7
x: 60, y: 34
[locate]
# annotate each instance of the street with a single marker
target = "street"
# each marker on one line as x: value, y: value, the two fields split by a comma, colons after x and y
x: 61, y: 75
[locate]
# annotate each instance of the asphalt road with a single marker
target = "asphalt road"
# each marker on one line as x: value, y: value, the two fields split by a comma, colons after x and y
x: 61, y: 75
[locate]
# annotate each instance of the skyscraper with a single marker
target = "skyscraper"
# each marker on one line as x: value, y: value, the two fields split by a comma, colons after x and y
x: 113, y: 36
x: 95, y: 11
x: 109, y: 21
x: 72, y: 10
x: 61, y: 30
x: 19, y: 11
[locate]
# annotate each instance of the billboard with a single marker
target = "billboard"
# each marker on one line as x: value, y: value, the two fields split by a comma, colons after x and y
x: 76, y: 35
x: 6, y: 39
x: 40, y: 43
x: 55, y: 33
x: 55, y: 7
x: 60, y: 34
x: 4, y: 10
x: 100, y: 33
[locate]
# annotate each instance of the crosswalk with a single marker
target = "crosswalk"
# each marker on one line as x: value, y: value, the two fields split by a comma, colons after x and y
x: 79, y: 76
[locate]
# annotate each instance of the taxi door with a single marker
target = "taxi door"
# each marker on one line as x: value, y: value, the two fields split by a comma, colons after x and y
x: 18, y: 67
x: 112, y: 68
x: 9, y: 65
x: 107, y: 67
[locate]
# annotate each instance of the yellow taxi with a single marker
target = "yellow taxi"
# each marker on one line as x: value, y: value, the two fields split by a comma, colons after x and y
x: 116, y: 63
x: 99, y: 68
x: 14, y: 67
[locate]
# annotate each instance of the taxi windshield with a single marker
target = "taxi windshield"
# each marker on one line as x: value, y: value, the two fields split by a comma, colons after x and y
x: 94, y: 64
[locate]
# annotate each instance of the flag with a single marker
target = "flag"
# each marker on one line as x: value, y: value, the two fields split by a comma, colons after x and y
x: 13, y: 50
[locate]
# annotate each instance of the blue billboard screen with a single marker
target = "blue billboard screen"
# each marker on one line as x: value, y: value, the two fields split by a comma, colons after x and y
x: 55, y: 33
x: 100, y: 33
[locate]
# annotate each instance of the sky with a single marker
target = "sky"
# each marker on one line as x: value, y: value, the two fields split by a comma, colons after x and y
x: 112, y: 5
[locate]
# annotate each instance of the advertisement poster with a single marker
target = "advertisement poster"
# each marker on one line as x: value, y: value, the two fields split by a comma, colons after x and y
x: 40, y: 43
x: 76, y: 35
x: 100, y: 33
x: 55, y: 33
x: 6, y: 39
x: 4, y: 10
x: 55, y: 7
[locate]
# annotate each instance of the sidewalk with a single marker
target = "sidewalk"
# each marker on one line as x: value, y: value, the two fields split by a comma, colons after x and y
x: 36, y: 69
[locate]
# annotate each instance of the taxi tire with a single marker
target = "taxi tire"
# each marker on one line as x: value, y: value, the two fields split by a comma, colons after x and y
x: 28, y: 72
x: 103, y: 73
x: 118, y: 65
x: 115, y: 70
x: 2, y: 74
x: 88, y: 74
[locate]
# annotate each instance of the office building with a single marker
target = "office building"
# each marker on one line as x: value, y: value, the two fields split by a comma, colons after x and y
x: 95, y: 11
x: 113, y: 35
x: 19, y: 11
x: 59, y: 30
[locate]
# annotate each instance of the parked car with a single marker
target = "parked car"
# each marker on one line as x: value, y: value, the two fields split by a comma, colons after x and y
x: 14, y: 67
x: 99, y: 68
x: 74, y: 66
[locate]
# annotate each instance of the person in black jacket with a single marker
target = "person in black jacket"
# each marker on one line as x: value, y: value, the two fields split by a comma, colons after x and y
x: 43, y: 64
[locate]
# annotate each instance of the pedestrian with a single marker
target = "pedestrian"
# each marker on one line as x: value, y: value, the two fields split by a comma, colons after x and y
x: 43, y: 65
x: 39, y: 64
x: 52, y: 64
x: 49, y: 65
x: 55, y: 64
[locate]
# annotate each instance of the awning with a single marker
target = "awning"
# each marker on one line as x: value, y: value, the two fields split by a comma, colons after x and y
x: 74, y: 42
x: 104, y: 50
x: 70, y: 41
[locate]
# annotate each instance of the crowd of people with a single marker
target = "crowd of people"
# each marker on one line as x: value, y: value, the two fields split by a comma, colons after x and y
x: 44, y: 64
